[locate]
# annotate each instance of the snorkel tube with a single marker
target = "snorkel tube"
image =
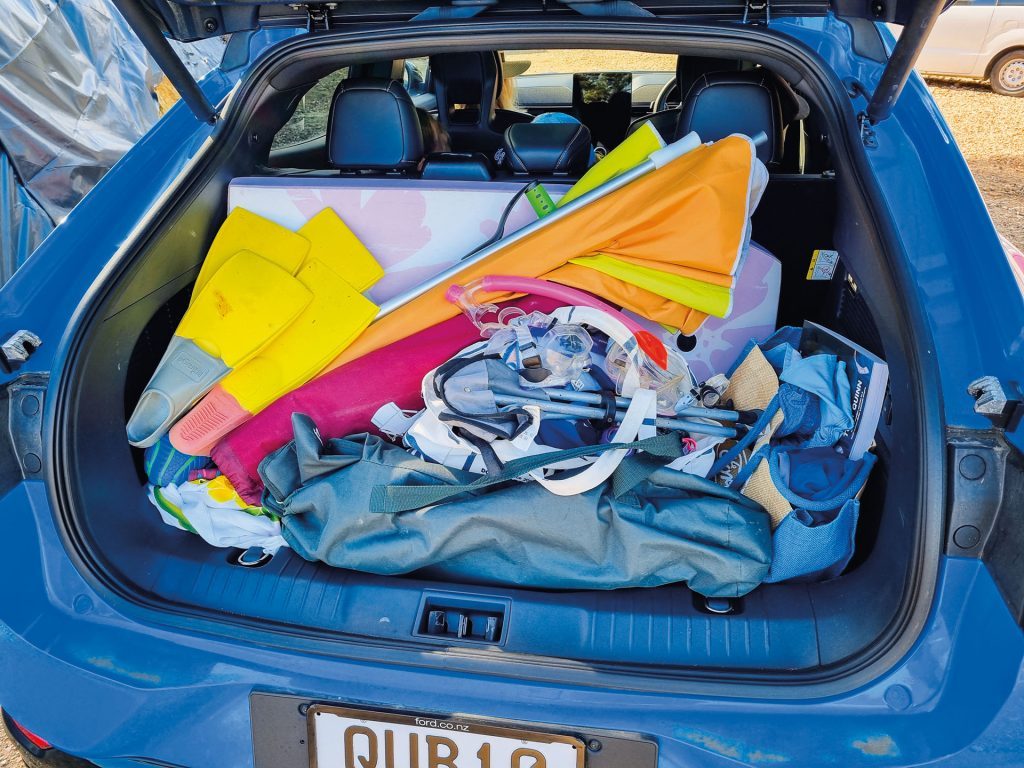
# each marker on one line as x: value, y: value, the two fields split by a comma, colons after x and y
x: 465, y: 298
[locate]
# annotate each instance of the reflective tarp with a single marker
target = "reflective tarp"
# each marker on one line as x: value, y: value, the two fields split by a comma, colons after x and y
x: 23, y: 223
x: 76, y: 92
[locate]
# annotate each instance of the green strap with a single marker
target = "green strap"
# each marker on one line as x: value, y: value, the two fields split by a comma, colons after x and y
x: 402, y: 498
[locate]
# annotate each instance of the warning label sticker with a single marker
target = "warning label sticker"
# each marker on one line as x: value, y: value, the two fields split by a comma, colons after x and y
x: 823, y: 265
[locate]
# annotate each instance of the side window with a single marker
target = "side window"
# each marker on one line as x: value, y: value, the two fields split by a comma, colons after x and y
x: 415, y: 75
x: 309, y: 121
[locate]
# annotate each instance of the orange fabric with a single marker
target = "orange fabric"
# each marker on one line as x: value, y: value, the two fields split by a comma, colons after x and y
x: 643, y: 302
x: 691, y: 212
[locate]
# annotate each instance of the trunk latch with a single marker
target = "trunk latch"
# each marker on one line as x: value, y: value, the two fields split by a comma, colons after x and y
x: 867, y: 132
x: 757, y: 13
x: 992, y: 402
x: 18, y: 349
x: 458, y: 618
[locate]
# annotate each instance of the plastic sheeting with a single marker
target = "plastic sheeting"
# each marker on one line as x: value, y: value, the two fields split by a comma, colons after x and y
x: 23, y: 223
x: 76, y: 92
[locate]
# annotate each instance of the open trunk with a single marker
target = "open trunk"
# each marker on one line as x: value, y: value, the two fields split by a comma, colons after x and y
x: 780, y: 628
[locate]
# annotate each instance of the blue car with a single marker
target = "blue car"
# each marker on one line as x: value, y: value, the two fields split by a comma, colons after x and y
x: 126, y: 643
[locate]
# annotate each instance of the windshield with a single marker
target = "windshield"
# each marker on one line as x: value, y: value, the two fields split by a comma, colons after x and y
x: 566, y: 61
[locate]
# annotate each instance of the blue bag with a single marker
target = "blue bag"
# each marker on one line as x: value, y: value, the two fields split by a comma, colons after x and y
x: 815, y: 541
x: 813, y: 547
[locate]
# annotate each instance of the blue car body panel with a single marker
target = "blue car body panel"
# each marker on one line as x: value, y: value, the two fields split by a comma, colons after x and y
x: 105, y: 684
x: 98, y: 678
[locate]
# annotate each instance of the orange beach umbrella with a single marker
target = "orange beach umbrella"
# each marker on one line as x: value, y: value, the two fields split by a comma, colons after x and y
x: 690, y: 216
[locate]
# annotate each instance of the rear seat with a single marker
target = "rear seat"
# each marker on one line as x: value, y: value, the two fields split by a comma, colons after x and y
x: 722, y: 103
x: 372, y: 127
x: 467, y: 87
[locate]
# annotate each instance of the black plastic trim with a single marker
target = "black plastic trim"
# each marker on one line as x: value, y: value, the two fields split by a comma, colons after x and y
x: 21, y: 428
x: 986, y: 516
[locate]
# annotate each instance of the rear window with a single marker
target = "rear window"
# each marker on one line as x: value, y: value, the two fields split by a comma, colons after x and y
x: 309, y: 121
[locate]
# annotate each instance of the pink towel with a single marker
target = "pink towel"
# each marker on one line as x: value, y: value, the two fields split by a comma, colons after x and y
x: 342, y: 401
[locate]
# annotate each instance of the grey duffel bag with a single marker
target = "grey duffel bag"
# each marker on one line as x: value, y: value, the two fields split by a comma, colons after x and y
x: 364, y: 504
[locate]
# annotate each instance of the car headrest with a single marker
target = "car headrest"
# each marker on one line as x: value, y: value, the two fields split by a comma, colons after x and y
x: 722, y: 103
x: 457, y: 166
x: 690, y: 68
x: 547, y: 148
x: 372, y: 126
x: 466, y: 87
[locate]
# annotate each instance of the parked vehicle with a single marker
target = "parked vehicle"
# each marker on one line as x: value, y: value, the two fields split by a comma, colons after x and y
x: 124, y: 642
x: 980, y: 39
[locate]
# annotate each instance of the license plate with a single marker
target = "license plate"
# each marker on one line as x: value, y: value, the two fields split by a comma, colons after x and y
x: 352, y: 738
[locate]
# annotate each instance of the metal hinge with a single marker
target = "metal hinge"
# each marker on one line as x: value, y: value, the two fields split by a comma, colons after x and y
x: 18, y: 348
x: 317, y: 14
x: 867, y: 131
x: 757, y: 12
x: 992, y: 401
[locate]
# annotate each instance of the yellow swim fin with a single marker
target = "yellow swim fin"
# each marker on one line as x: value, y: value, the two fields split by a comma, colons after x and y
x: 242, y: 307
x: 336, y: 246
x: 243, y: 230
x: 337, y: 314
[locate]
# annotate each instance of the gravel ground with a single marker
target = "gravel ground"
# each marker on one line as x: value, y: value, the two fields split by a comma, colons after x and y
x: 990, y: 131
x: 9, y: 757
x: 988, y: 128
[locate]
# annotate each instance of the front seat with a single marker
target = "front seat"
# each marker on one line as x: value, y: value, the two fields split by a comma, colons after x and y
x: 372, y: 127
x: 467, y: 86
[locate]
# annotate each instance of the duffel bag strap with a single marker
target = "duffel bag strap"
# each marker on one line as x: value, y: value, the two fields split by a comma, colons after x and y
x: 403, y: 498
x: 748, y: 440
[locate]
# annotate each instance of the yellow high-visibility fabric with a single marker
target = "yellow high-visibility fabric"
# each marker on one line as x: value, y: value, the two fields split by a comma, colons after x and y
x: 650, y: 305
x: 713, y: 299
x: 632, y: 151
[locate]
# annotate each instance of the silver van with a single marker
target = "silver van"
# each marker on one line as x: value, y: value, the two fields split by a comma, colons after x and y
x: 981, y: 39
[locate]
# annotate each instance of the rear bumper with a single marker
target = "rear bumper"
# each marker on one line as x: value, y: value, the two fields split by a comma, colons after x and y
x: 99, y: 685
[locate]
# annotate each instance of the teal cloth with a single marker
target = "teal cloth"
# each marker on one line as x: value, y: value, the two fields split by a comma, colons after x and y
x: 403, y: 498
